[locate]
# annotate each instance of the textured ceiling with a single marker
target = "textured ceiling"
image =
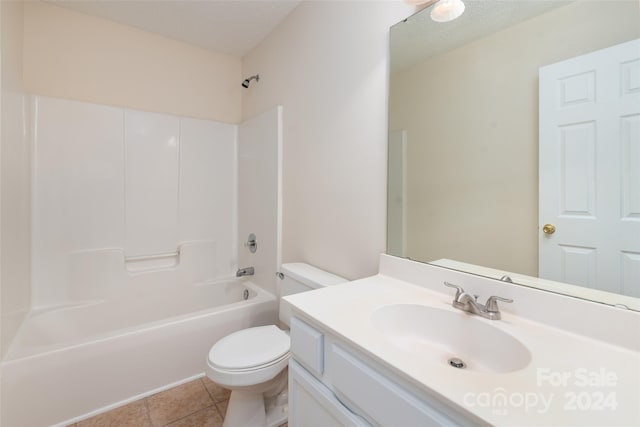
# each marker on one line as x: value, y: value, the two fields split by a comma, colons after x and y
x: 418, y: 37
x: 227, y: 26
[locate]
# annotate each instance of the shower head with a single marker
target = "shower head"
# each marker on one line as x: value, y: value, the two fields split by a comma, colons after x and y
x: 245, y: 83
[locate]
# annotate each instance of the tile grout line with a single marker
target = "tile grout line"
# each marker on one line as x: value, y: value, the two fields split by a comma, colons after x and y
x: 208, y: 392
x: 213, y: 403
x: 146, y: 405
x: 219, y: 410
x: 188, y: 415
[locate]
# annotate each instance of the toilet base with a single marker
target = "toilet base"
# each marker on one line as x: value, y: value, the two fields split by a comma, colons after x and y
x: 277, y: 408
x: 277, y: 416
x: 247, y: 408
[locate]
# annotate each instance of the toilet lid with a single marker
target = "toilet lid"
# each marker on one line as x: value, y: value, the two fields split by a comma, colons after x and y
x: 250, y: 348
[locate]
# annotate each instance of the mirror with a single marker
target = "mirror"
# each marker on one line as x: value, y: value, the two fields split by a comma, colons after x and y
x: 491, y: 139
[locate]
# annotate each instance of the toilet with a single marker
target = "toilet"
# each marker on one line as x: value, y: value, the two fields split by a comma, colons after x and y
x: 252, y: 362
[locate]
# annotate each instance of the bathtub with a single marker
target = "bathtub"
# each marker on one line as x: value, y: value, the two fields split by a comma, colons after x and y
x: 75, y: 361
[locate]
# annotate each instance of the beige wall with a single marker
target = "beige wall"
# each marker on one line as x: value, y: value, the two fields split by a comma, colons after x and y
x: 72, y: 55
x: 15, y: 234
x: 327, y: 65
x: 472, y: 121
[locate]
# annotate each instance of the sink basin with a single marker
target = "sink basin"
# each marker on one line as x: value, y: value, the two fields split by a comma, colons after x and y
x: 438, y: 335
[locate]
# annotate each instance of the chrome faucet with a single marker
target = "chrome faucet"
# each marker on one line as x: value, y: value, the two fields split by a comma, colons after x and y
x: 469, y: 303
x: 248, y: 271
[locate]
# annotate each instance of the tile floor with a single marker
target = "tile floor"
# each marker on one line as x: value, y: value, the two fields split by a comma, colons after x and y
x: 198, y: 403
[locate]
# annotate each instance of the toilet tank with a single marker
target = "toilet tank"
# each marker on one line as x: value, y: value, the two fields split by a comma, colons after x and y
x: 301, y: 277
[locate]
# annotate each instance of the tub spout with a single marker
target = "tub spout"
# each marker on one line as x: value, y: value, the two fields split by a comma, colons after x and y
x: 245, y: 272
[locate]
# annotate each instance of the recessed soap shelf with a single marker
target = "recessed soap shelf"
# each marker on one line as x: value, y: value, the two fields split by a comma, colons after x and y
x: 143, y: 263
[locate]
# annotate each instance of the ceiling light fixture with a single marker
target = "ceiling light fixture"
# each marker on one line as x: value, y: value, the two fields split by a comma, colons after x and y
x: 447, y: 10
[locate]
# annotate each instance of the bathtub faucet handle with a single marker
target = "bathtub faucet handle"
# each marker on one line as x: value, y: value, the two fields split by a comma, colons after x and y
x: 251, y: 243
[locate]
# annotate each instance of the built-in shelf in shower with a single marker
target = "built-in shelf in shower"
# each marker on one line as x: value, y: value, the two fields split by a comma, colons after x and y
x: 152, y: 262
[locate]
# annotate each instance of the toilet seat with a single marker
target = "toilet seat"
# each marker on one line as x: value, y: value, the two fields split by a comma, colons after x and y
x: 285, y: 356
x: 250, y: 348
x: 249, y: 356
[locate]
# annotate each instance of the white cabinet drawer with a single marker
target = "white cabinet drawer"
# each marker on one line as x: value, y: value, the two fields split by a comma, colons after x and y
x: 307, y: 346
x: 311, y: 404
x: 382, y: 401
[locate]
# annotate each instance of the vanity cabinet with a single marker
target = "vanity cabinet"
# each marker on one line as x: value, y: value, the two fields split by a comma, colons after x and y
x: 332, y: 384
x: 312, y: 404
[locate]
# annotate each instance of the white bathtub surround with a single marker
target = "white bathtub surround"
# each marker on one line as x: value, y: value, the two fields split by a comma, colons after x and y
x: 16, y: 207
x: 152, y: 166
x: 204, y: 208
x: 596, y: 351
x: 15, y: 177
x: 260, y: 194
x: 135, y: 247
x: 116, y: 188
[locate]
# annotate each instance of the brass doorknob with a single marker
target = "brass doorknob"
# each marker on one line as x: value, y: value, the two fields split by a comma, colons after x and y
x: 549, y: 229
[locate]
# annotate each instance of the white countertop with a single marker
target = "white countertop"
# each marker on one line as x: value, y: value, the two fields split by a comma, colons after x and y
x: 346, y: 310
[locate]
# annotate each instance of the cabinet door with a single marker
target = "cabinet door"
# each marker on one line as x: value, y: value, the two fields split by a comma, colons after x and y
x: 311, y: 404
x: 381, y: 400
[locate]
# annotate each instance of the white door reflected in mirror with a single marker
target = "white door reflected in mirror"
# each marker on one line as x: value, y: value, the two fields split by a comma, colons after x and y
x: 589, y: 131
